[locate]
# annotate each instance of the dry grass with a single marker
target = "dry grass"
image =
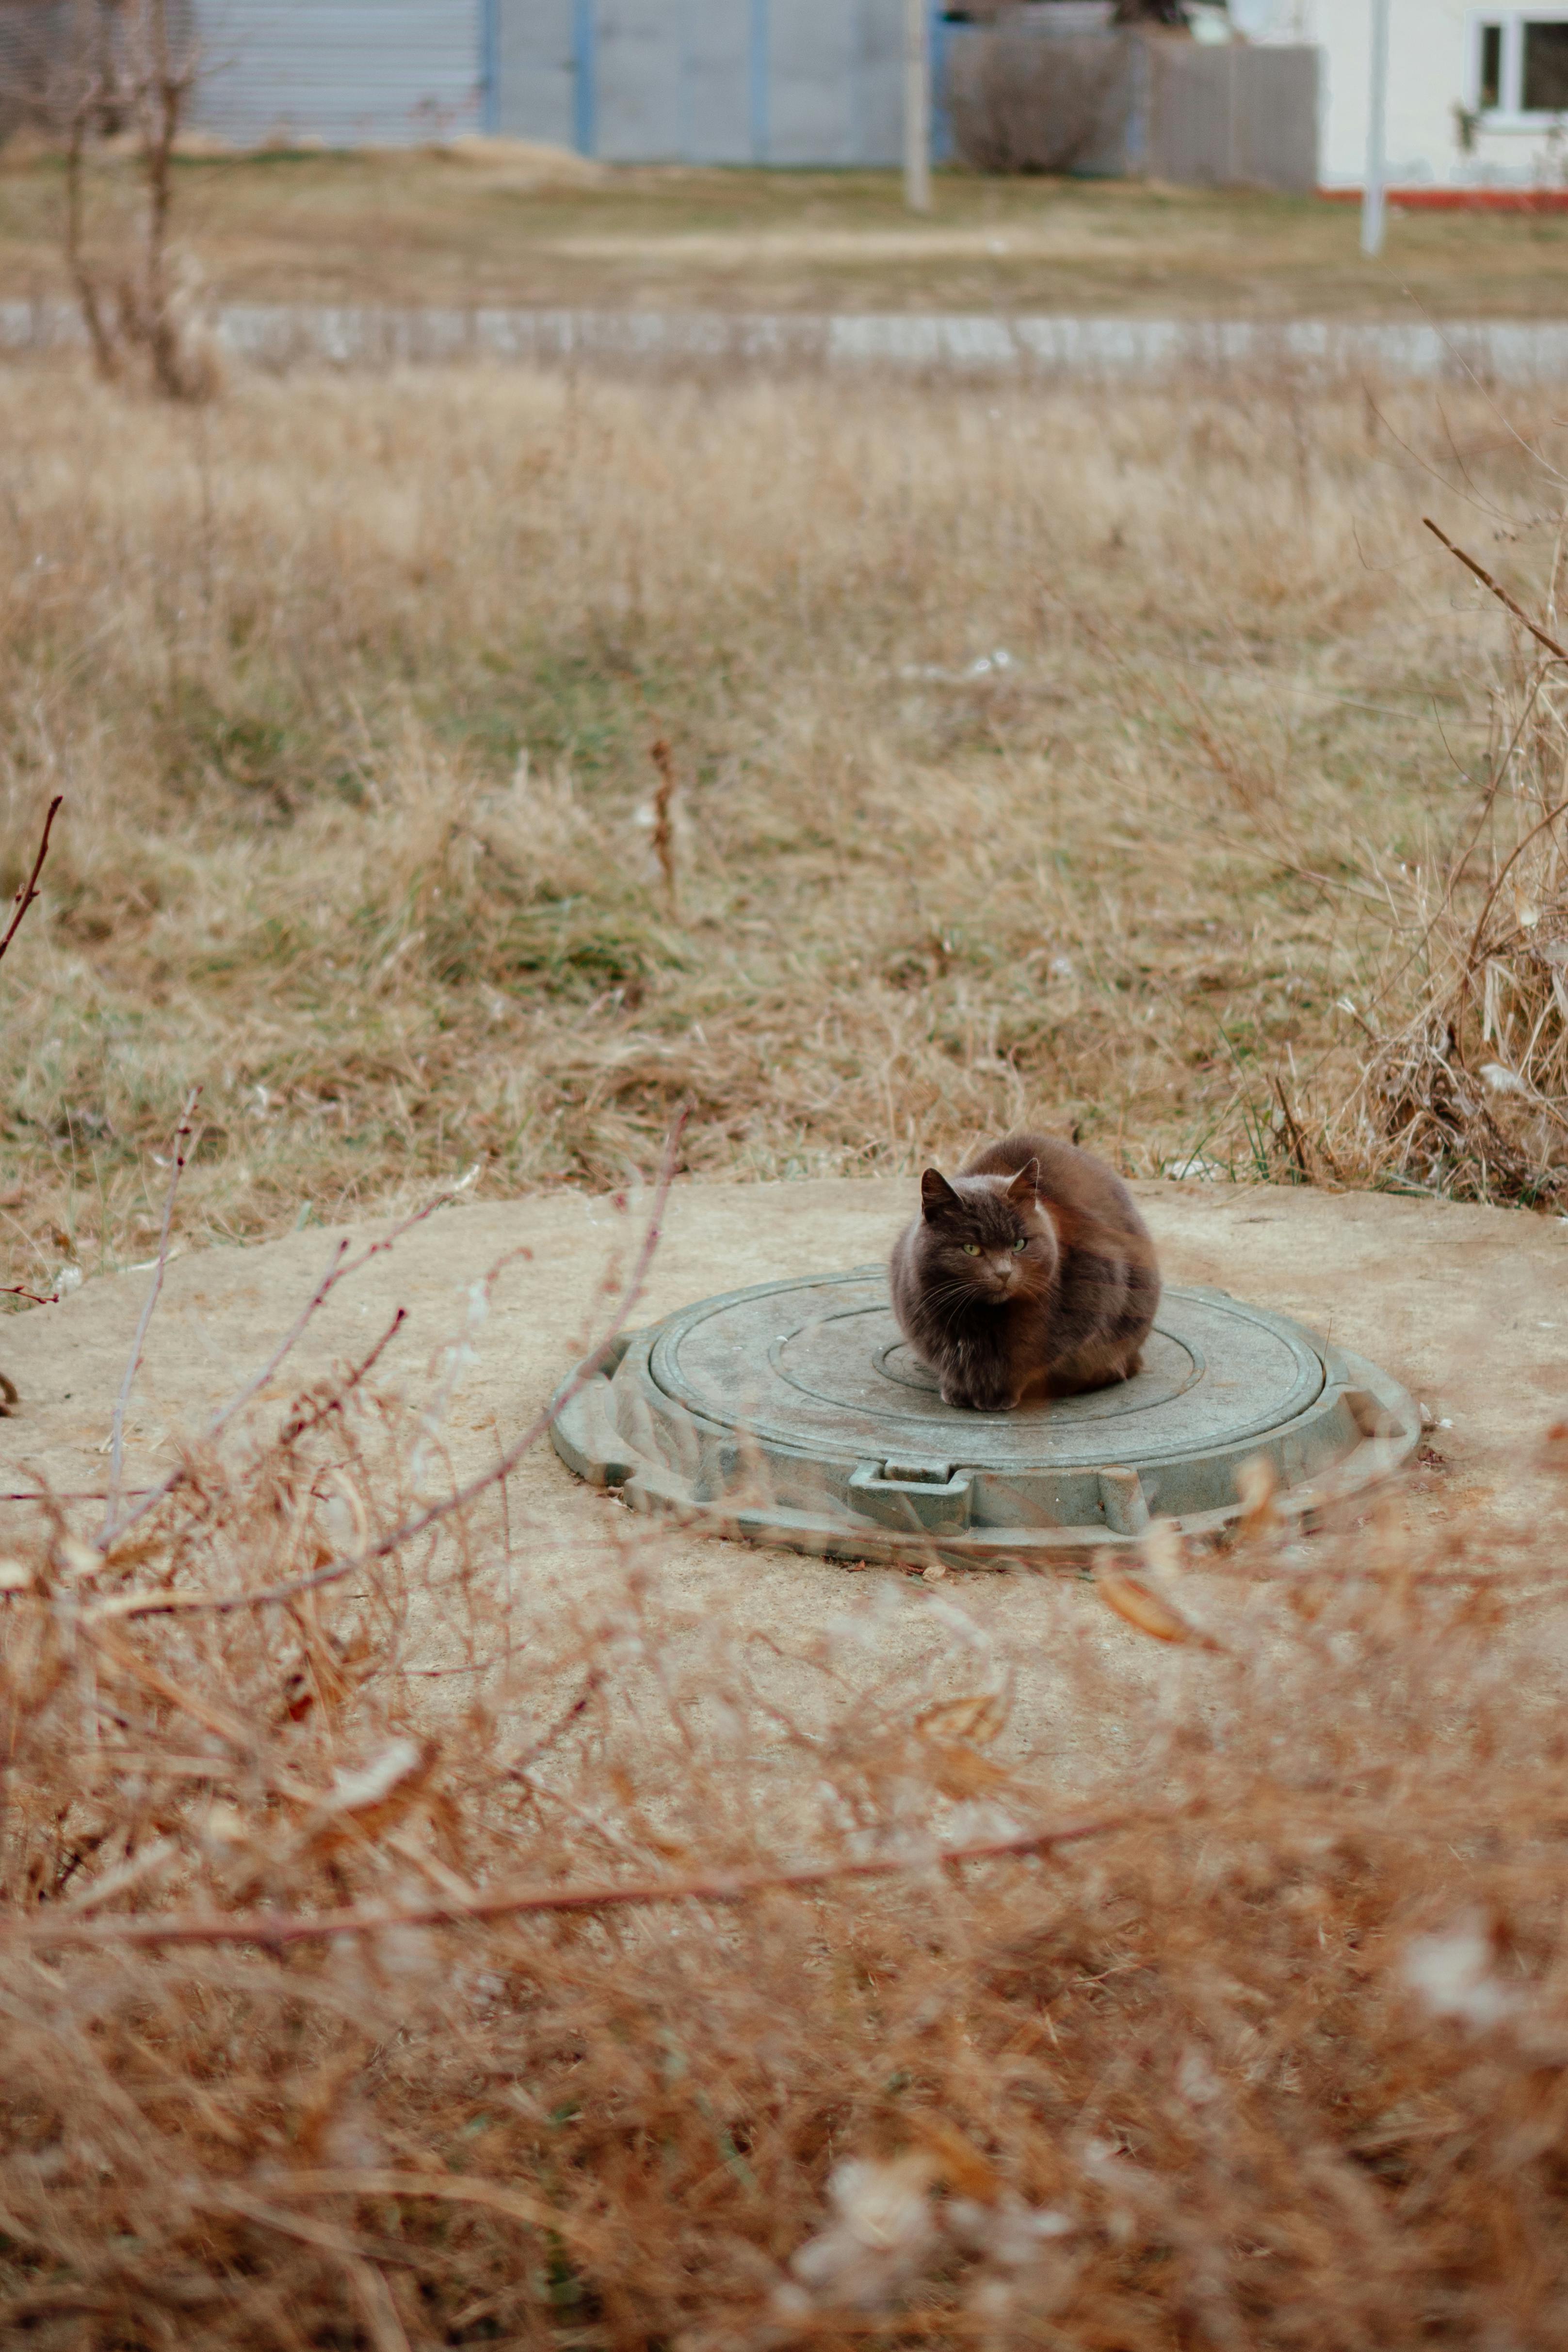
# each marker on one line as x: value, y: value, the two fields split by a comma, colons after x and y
x: 351, y: 687
x: 1470, y: 1095
x: 412, y: 1937
x: 477, y: 226
x: 395, y: 1963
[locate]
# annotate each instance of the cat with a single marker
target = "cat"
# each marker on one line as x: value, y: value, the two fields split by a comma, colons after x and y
x: 1030, y: 1274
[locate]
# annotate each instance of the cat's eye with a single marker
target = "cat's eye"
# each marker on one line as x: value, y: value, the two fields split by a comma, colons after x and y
x: 971, y: 1249
x: 1021, y: 1244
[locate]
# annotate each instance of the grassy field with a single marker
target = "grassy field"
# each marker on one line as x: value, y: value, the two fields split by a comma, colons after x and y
x: 480, y: 227
x: 418, y: 1930
x: 1033, y: 755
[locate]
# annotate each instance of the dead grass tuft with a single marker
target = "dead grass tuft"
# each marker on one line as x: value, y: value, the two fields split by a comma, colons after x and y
x: 1470, y: 1097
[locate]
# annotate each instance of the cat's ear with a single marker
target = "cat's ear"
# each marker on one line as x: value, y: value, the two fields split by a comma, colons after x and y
x: 1026, y: 1183
x: 937, y: 1198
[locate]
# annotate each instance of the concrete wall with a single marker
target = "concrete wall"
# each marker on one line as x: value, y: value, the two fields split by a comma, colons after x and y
x: 1431, y: 74
x: 346, y: 72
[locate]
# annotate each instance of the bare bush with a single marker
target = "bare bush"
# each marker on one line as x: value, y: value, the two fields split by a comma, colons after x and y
x: 1468, y: 1094
x: 1025, y: 102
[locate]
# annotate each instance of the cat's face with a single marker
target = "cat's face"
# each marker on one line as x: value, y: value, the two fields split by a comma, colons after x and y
x: 987, y: 1237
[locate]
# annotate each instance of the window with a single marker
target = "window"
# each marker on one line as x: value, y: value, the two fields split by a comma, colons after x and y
x: 1545, y: 68
x: 1518, y: 63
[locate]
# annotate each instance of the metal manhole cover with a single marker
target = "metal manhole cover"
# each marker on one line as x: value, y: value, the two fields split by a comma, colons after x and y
x: 796, y: 1414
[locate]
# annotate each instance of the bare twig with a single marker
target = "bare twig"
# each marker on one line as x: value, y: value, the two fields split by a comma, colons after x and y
x: 303, y: 1422
x: 28, y: 892
x: 340, y: 1266
x: 663, y: 807
x: 1500, y: 592
x: 182, y: 1134
x: 105, y: 351
x: 517, y: 1766
x: 1545, y: 825
x: 276, y: 1930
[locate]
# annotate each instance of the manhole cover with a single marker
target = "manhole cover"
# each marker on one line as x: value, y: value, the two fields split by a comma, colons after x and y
x: 797, y: 1414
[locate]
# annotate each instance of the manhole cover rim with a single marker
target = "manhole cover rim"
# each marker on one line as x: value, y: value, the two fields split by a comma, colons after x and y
x: 845, y: 1499
x: 1063, y: 1444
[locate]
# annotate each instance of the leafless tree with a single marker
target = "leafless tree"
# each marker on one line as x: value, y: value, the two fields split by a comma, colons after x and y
x: 130, y: 70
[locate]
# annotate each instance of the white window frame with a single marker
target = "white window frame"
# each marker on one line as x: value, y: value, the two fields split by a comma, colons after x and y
x: 1509, y: 114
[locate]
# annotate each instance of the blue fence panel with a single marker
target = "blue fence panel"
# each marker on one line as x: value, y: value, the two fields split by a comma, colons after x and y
x: 584, y: 108
x: 807, y: 82
x: 758, y: 92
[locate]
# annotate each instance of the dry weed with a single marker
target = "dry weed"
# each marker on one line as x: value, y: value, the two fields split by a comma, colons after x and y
x: 1468, y: 1097
x: 436, y: 1941
x: 350, y: 685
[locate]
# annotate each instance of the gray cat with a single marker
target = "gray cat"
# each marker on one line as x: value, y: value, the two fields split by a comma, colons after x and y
x: 1030, y: 1275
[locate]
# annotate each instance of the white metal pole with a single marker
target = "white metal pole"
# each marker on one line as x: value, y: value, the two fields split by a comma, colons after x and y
x: 1373, y: 206
x: 917, y: 105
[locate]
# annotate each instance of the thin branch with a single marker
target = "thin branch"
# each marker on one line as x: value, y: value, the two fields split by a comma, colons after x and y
x: 339, y: 1267
x: 29, y: 890
x: 303, y: 1422
x: 61, y: 1494
x: 1500, y: 592
x: 117, y: 1440
x: 276, y: 1930
x: 663, y: 805
x: 106, y: 358
x: 1503, y: 872
x: 519, y: 1765
x: 160, y: 1605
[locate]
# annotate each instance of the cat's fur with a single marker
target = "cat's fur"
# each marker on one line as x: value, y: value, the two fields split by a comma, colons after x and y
x: 1068, y: 1311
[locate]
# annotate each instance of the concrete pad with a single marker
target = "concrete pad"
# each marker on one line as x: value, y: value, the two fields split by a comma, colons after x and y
x: 1467, y: 1306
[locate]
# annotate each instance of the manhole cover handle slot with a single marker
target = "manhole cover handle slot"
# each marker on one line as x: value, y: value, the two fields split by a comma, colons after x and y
x: 918, y: 1496
x: 1123, y: 1500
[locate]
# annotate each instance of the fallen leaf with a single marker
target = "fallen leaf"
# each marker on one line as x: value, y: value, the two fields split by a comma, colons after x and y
x: 1149, y: 1612
x: 1257, y: 1484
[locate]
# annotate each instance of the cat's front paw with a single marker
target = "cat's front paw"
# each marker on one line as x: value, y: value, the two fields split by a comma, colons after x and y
x: 969, y: 1404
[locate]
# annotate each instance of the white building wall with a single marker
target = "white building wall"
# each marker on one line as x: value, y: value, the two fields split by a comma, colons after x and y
x: 1431, y: 70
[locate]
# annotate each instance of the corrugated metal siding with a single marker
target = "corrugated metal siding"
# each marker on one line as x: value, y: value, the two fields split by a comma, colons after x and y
x: 347, y: 72
x: 30, y: 38
x: 48, y: 46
